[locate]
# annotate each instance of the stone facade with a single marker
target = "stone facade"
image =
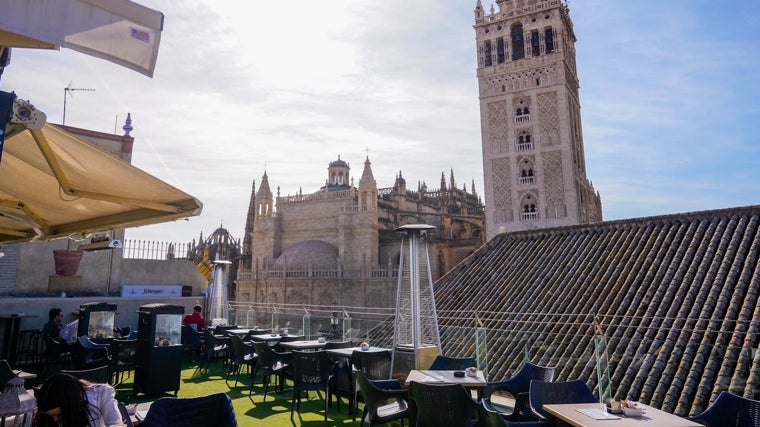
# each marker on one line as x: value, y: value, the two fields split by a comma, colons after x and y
x: 338, y: 244
x: 533, y: 156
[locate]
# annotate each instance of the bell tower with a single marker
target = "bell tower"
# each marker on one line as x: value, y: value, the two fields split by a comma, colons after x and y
x: 533, y: 158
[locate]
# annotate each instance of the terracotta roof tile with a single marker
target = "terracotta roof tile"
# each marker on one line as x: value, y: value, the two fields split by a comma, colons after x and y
x: 676, y: 296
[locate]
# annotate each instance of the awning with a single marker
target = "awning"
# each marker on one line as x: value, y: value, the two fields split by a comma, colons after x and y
x: 53, y: 184
x: 119, y: 31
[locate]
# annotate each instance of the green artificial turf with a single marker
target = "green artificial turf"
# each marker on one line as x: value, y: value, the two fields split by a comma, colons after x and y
x: 249, y: 411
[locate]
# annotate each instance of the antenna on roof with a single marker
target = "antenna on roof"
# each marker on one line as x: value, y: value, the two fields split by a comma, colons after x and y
x: 67, y: 91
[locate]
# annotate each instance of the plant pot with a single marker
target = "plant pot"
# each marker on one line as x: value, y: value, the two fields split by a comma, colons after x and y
x: 67, y: 262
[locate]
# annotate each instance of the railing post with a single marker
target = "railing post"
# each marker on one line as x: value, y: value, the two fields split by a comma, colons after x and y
x: 602, y: 363
x: 481, y: 346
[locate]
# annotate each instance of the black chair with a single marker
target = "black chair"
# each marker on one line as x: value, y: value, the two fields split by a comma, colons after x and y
x: 192, y: 341
x: 99, y: 375
x: 122, y: 359
x: 375, y: 365
x: 518, y: 387
x: 730, y: 410
x: 87, y: 354
x: 547, y: 393
x: 269, y: 363
x: 446, y: 363
x: 213, y: 410
x: 442, y: 405
x: 214, y: 347
x: 242, y: 355
x: 312, y: 371
x: 6, y: 373
x: 385, y: 400
x: 57, y: 356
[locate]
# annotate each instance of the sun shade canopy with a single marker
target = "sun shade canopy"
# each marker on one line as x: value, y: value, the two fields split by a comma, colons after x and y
x: 119, y: 31
x: 53, y: 184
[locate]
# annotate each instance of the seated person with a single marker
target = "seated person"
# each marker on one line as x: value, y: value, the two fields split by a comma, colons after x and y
x: 52, y: 329
x: 63, y: 400
x: 195, y: 319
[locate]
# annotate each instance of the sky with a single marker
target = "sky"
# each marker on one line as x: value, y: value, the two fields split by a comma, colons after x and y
x: 669, y: 100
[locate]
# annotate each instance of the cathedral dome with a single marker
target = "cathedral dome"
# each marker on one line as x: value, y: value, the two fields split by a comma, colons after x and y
x: 316, y: 253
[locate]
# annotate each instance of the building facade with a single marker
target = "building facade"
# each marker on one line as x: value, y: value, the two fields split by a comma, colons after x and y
x: 533, y: 157
x: 338, y: 244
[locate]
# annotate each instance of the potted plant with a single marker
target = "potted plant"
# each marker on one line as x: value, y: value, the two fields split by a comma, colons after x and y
x: 67, y: 261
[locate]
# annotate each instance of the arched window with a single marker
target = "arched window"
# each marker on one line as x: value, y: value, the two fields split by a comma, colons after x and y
x: 521, y: 139
x: 530, y: 172
x: 500, y: 49
x: 518, y: 112
x: 526, y: 110
x: 518, y: 48
x: 534, y: 44
x: 549, y: 40
x: 487, y: 53
x: 527, y: 139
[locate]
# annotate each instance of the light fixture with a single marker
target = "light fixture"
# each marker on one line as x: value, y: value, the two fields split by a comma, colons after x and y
x: 101, y: 245
x: 15, y: 400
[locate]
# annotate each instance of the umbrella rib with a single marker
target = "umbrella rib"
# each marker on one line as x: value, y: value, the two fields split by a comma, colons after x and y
x: 69, y: 189
x: 38, y: 225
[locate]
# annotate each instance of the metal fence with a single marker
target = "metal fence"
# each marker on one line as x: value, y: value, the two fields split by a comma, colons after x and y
x: 148, y: 249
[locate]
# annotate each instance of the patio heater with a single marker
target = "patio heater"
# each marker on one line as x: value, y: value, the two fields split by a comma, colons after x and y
x: 217, y: 298
x: 416, y: 340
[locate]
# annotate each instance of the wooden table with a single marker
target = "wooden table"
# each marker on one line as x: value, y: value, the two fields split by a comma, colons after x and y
x: 570, y: 413
x: 303, y: 345
x: 477, y: 382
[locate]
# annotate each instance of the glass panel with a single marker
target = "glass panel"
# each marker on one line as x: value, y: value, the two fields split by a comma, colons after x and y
x: 168, y: 330
x: 101, y: 324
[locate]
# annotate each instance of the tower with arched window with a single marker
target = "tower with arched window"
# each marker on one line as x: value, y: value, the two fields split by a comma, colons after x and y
x: 533, y: 156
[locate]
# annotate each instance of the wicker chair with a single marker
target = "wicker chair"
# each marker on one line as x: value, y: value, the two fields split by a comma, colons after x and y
x: 242, y: 355
x: 192, y: 341
x: 518, y: 386
x: 446, y: 363
x: 213, y: 410
x: 442, y: 405
x: 730, y: 410
x: 490, y: 417
x: 122, y: 358
x: 375, y: 365
x: 270, y: 362
x: 99, y: 375
x: 126, y: 419
x: 6, y: 373
x: 215, y: 347
x: 545, y: 392
x: 385, y: 400
x: 313, y: 371
x: 87, y: 354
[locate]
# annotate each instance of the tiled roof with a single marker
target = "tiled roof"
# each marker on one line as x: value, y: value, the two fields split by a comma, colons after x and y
x: 676, y: 297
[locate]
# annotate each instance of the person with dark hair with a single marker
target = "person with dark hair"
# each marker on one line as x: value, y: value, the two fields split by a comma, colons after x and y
x: 64, y: 401
x: 52, y: 328
x: 195, y: 319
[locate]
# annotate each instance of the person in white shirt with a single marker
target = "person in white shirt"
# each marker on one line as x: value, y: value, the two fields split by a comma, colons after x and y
x: 64, y: 401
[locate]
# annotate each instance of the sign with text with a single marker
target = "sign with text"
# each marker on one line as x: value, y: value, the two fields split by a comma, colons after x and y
x: 151, y: 291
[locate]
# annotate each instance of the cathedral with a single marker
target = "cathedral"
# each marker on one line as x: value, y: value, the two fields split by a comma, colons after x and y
x: 339, y: 244
x: 534, y: 165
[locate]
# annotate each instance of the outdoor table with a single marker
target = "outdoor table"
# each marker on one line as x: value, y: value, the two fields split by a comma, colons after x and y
x: 140, y: 412
x: 10, y: 339
x: 347, y: 352
x: 239, y: 332
x: 478, y: 382
x: 588, y: 414
x: 303, y: 345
